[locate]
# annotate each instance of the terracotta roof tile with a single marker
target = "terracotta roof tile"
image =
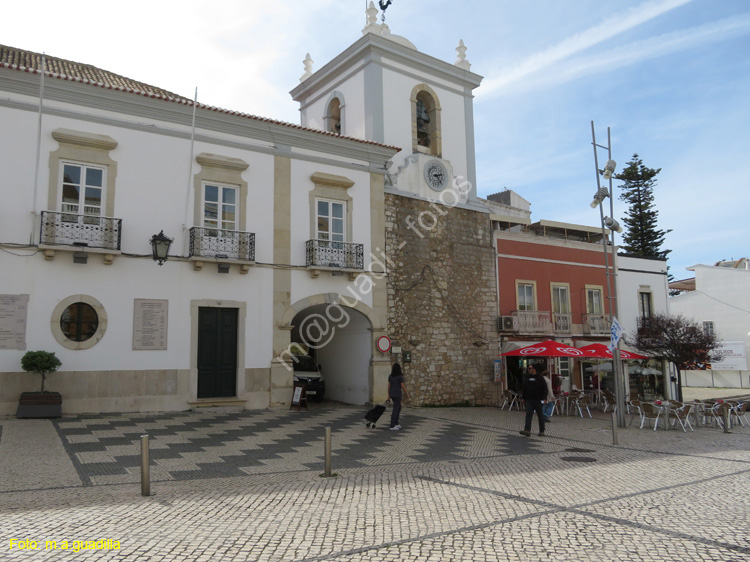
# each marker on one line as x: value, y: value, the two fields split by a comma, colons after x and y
x: 18, y: 59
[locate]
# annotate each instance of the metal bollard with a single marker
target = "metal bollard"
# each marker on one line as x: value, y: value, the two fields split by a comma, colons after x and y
x: 327, y: 472
x: 614, y: 428
x: 145, y: 469
x: 727, y: 420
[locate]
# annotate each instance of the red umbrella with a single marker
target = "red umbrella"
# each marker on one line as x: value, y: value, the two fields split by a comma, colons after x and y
x: 547, y: 348
x: 601, y: 351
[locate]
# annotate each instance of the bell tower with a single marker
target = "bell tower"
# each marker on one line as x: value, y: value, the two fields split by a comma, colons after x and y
x: 383, y: 89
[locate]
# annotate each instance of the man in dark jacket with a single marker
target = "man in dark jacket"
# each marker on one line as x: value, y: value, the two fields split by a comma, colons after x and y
x: 534, y: 393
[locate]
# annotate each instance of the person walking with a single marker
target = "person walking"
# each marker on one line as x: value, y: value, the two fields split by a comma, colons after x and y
x: 549, y: 405
x: 396, y: 390
x: 534, y: 392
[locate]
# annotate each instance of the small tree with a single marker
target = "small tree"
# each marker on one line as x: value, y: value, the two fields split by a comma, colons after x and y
x: 40, y: 362
x: 642, y: 236
x: 678, y: 340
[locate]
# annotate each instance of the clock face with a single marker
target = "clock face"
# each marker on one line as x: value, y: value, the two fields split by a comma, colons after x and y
x: 435, y: 174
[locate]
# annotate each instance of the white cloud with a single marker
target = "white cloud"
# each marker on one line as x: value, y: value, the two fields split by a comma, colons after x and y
x: 615, y: 25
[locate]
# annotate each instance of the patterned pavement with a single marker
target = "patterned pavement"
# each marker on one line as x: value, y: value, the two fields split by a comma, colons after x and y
x: 456, y: 484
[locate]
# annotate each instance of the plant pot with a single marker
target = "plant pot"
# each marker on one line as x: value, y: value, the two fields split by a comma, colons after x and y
x: 39, y: 405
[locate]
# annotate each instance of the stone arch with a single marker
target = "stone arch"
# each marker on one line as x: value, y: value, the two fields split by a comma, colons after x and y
x: 346, y: 349
x: 426, y: 133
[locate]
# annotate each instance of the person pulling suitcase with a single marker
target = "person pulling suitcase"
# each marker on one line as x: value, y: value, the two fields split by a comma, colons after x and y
x: 396, y: 390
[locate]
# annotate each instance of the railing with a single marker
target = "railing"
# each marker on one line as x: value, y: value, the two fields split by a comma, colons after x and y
x: 215, y: 243
x: 595, y: 324
x: 69, y: 229
x: 562, y: 322
x: 344, y: 255
x: 533, y: 321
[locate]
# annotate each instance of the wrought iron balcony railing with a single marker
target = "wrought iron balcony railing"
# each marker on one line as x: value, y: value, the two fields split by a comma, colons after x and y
x: 595, y: 324
x: 215, y: 243
x: 69, y: 229
x: 343, y: 255
x: 533, y: 321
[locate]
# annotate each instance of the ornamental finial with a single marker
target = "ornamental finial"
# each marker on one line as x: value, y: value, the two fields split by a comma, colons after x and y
x: 308, y: 62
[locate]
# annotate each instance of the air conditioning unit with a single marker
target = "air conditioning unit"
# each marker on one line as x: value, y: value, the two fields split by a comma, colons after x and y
x: 507, y: 324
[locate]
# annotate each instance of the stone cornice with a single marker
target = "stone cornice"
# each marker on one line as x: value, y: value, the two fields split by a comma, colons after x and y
x: 89, y: 140
x: 331, y: 180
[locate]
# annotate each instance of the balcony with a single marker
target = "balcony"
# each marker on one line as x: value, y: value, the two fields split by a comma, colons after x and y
x: 336, y: 256
x: 83, y: 231
x: 562, y: 322
x: 226, y: 246
x: 595, y: 325
x: 533, y: 321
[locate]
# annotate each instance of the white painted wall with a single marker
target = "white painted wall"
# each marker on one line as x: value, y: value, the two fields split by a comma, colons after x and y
x: 722, y: 296
x: 636, y: 274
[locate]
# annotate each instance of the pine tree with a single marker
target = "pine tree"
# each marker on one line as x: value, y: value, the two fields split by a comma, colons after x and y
x: 642, y: 236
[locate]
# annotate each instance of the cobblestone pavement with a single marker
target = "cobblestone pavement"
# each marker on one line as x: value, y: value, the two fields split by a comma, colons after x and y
x: 456, y: 484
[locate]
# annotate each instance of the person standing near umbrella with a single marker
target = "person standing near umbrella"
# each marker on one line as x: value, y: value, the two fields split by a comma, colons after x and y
x: 534, y: 392
x: 549, y: 405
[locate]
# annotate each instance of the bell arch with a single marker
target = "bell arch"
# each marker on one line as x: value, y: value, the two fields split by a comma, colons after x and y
x: 426, y: 121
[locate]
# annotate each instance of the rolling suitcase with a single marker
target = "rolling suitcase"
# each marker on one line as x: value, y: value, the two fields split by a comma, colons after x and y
x: 373, y: 415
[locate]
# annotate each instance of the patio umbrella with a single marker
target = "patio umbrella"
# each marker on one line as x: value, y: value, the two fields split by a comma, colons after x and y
x: 601, y: 351
x: 547, y: 348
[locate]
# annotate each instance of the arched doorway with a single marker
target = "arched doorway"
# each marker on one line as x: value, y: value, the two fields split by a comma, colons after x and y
x: 339, y: 338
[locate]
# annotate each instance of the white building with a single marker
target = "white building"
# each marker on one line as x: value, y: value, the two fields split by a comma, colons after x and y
x: 718, y: 298
x: 272, y: 223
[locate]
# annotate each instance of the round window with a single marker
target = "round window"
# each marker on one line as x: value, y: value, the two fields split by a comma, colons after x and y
x: 79, y: 321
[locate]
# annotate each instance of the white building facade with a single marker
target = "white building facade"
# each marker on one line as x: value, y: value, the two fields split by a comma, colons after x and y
x: 273, y: 224
x: 719, y: 301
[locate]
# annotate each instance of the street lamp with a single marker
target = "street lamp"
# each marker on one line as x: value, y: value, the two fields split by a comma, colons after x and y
x: 609, y: 223
x: 160, y: 247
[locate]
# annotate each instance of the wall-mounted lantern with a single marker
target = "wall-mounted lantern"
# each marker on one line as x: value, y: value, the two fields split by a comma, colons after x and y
x: 160, y: 245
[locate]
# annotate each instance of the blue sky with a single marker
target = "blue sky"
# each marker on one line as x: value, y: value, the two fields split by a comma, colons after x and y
x: 671, y: 78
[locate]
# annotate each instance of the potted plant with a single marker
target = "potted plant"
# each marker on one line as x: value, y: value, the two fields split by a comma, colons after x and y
x: 40, y: 404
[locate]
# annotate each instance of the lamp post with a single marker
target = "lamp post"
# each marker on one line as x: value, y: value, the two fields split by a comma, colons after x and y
x: 609, y: 223
x: 160, y: 247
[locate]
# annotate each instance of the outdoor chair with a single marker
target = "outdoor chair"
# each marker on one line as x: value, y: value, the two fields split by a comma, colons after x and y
x: 650, y: 412
x: 714, y: 413
x: 507, y: 399
x: 739, y: 412
x: 635, y: 405
x: 608, y: 398
x: 682, y: 416
x: 582, y: 402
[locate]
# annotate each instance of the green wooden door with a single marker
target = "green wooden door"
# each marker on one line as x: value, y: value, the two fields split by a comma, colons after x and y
x: 217, y: 352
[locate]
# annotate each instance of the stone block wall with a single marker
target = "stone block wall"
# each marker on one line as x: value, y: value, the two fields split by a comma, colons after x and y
x: 442, y: 300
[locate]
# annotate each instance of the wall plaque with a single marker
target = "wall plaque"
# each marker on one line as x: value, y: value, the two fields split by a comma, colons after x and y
x: 13, y: 311
x: 150, y: 324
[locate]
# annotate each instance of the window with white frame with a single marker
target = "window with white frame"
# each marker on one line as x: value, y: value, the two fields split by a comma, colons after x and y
x: 220, y: 206
x: 525, y: 295
x: 594, y: 301
x: 708, y: 327
x: 82, y: 190
x: 331, y: 220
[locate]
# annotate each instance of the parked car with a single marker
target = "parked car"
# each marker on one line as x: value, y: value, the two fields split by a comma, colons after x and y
x: 307, y: 371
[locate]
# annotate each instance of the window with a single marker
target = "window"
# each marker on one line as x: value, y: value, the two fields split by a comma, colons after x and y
x: 644, y: 304
x: 220, y: 206
x: 79, y: 322
x: 331, y: 220
x: 525, y: 292
x: 560, y: 299
x: 594, y: 301
x: 82, y: 192
x: 708, y: 327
